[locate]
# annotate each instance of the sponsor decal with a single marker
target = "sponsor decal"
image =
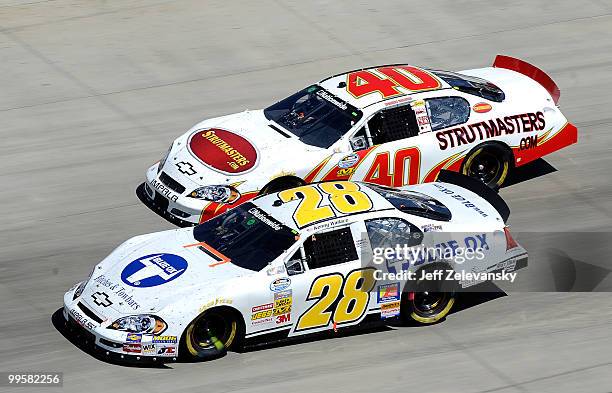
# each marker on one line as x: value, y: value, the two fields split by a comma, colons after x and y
x: 282, y: 295
x: 345, y: 172
x: 280, y: 284
x: 330, y: 98
x: 169, y: 350
x: 223, y: 150
x: 389, y: 310
x: 163, y: 190
x: 265, y: 218
x: 186, y: 168
x: 153, y: 270
x: 281, y: 310
x: 528, y: 143
x: 82, y: 320
x: 216, y: 302
x: 348, y: 161
x: 262, y: 321
x: 148, y: 349
x: 483, y: 130
x: 464, y: 201
x: 431, y: 228
x: 284, y: 318
x: 101, y: 299
x: 261, y: 314
x: 388, y: 292
x: 282, y: 302
x: 117, y: 290
x: 262, y: 307
x: 164, y: 339
x: 508, y: 265
x: 133, y: 338
x: 132, y: 348
x: 482, y: 107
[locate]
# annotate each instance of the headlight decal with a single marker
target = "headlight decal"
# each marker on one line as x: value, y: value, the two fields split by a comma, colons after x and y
x: 216, y: 193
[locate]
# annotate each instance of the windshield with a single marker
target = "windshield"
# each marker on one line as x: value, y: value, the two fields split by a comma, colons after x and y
x: 472, y: 85
x: 247, y: 235
x: 412, y: 202
x: 315, y: 116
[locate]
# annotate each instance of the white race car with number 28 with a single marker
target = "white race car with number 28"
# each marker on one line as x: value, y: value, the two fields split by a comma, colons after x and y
x: 286, y: 264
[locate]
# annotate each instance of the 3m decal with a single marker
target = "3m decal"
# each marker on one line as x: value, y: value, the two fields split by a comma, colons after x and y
x: 364, y: 82
x: 153, y: 270
x: 344, y: 198
x: 350, y: 295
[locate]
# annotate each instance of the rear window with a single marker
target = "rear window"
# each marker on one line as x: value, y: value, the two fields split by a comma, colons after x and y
x: 414, y: 203
x: 472, y: 85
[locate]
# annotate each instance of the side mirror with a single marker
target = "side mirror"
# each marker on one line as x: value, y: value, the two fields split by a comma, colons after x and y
x: 358, y: 143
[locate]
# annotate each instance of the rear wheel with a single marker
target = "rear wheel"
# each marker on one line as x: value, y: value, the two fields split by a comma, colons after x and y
x: 430, y: 301
x: 488, y: 163
x: 211, y: 335
x: 429, y: 307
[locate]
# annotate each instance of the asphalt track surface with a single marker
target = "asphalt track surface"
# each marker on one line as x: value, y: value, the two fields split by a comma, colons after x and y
x: 92, y: 92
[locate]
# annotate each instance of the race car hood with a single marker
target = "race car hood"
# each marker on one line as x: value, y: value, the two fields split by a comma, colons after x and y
x: 145, y: 275
x: 235, y: 148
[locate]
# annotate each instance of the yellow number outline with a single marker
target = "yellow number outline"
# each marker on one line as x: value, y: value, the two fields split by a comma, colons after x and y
x: 318, y: 314
x: 309, y: 209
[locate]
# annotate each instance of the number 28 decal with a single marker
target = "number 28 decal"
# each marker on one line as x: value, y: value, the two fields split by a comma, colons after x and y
x: 364, y: 82
x: 344, y: 198
x: 350, y: 295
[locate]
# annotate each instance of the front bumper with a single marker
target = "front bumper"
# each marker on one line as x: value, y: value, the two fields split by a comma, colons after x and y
x: 171, y: 205
x: 177, y: 208
x: 104, y: 343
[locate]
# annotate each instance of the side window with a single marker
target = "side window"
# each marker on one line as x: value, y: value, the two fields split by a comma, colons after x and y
x: 330, y: 248
x: 446, y: 112
x: 390, y: 232
x: 359, y: 141
x: 393, y: 124
x: 295, y: 264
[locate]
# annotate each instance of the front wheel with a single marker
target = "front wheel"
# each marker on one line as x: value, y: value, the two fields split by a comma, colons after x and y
x: 489, y: 163
x: 211, y: 335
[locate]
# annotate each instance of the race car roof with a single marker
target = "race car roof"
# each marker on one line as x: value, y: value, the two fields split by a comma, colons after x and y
x: 284, y: 212
x: 381, y: 198
x: 367, y: 86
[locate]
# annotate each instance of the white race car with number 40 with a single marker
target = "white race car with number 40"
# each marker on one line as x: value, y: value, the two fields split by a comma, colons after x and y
x: 391, y: 125
x: 286, y: 264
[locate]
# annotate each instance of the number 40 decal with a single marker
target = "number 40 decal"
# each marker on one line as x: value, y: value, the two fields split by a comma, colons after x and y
x: 351, y: 296
x: 361, y: 83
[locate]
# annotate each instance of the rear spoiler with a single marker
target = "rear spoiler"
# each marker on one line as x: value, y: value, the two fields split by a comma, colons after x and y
x: 477, y: 187
x: 533, y: 72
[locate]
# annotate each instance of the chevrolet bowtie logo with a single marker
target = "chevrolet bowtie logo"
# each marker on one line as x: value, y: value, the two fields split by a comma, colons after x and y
x: 185, y: 168
x: 101, y: 299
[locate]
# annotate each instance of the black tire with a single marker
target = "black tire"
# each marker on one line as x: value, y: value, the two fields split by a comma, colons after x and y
x: 490, y: 163
x: 281, y: 184
x: 429, y: 301
x: 211, y: 335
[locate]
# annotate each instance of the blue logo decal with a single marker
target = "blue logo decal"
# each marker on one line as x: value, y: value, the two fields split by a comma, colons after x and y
x: 153, y: 270
x: 280, y: 284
